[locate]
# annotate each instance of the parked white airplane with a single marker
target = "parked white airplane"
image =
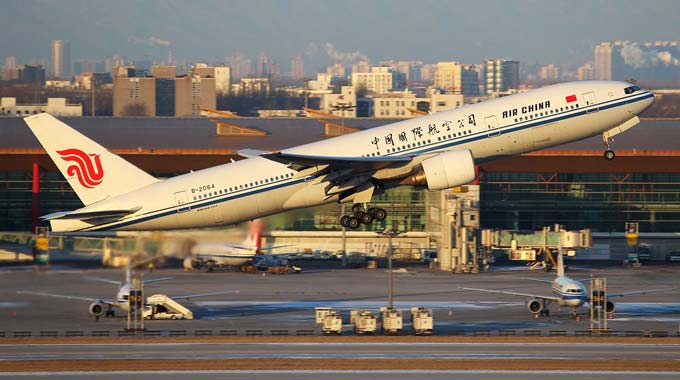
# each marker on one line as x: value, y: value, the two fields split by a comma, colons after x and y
x: 566, y: 293
x: 212, y: 254
x: 107, y: 306
x: 438, y: 151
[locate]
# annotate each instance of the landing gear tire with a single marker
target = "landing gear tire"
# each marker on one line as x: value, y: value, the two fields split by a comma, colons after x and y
x: 380, y: 214
x: 344, y: 221
x: 353, y: 222
x: 366, y: 218
x: 609, y: 154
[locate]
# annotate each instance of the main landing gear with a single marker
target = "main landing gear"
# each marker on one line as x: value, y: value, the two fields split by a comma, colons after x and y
x: 362, y: 215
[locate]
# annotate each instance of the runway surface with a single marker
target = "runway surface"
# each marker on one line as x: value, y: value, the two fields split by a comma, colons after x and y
x: 342, y: 350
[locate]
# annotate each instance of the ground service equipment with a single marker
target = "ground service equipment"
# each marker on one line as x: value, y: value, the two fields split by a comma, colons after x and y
x: 332, y: 323
x: 160, y: 306
x: 364, y: 322
x: 422, y: 321
x: 392, y: 321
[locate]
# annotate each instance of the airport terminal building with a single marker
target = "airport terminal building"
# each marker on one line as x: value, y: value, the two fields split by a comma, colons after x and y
x: 572, y: 185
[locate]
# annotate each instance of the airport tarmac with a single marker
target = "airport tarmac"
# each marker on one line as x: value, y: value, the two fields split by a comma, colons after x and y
x: 267, y: 302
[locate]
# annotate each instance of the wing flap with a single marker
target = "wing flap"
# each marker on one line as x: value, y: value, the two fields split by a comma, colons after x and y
x: 362, y: 163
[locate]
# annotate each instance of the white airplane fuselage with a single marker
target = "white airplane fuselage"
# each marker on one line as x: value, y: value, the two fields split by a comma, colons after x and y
x: 256, y: 187
x: 570, y: 292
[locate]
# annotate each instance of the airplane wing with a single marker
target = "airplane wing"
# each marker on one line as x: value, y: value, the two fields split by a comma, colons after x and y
x: 119, y: 283
x: 639, y: 292
x: 337, y: 163
x: 186, y: 297
x: 536, y: 279
x: 151, y: 281
x: 527, y: 295
x: 66, y: 296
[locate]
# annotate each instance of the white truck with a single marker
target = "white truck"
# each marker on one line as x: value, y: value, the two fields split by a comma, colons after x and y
x: 364, y: 322
x: 332, y: 323
x: 423, y: 323
x: 392, y: 321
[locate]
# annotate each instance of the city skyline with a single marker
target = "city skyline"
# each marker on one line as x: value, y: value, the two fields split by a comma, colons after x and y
x: 322, y: 33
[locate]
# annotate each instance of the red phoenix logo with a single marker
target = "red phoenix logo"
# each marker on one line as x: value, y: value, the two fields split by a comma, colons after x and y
x: 87, y: 167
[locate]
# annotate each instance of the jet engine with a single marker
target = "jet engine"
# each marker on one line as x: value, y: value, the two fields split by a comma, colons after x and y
x: 444, y: 171
x: 97, y: 308
x: 190, y: 263
x: 610, y: 306
x: 535, y: 306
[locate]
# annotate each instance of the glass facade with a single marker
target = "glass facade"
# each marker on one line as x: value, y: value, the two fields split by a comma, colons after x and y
x: 601, y: 202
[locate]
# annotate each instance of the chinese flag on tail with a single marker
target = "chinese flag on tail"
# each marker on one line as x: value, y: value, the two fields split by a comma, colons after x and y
x: 571, y: 98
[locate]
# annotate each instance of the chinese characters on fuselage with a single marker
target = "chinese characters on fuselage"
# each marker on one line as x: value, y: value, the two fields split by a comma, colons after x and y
x: 422, y: 132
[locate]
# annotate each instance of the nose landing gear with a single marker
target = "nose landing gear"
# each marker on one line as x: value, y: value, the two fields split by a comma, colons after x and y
x: 362, y: 215
x: 608, y: 153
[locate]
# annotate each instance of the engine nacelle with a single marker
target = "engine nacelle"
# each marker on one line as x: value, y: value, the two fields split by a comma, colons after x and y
x: 97, y: 308
x: 445, y: 170
x: 535, y: 306
x: 190, y: 263
x: 610, y: 306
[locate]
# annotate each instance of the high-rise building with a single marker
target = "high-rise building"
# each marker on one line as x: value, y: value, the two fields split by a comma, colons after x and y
x: 454, y: 78
x: 9, y: 69
x: 549, y: 72
x: 603, y: 61
x: 221, y: 74
x: 501, y: 75
x: 60, y: 59
x: 297, y: 68
x: 379, y: 80
x: 133, y: 96
x: 585, y: 72
x: 193, y: 93
x: 361, y: 67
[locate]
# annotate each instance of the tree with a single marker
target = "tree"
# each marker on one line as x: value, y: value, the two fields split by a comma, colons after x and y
x: 134, y: 109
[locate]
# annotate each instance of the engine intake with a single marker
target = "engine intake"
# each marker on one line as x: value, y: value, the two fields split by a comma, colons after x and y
x: 97, y: 308
x: 444, y: 171
x: 535, y: 306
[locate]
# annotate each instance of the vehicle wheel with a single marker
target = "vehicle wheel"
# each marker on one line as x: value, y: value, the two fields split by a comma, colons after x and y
x: 344, y: 220
x: 380, y: 214
x: 353, y: 222
x: 366, y: 218
x: 609, y: 154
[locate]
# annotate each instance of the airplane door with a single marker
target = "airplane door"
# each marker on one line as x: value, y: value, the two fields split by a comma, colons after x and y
x: 492, y: 126
x: 181, y: 200
x: 590, y: 100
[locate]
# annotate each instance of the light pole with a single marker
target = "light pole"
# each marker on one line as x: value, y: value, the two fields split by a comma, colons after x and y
x: 390, y: 234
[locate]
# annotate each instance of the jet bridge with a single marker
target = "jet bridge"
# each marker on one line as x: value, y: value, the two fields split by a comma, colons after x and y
x: 536, y: 246
x: 160, y: 306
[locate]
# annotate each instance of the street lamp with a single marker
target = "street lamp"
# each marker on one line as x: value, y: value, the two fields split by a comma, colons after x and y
x: 390, y: 234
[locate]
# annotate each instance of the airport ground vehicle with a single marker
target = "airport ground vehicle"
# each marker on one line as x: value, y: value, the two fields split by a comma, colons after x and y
x: 673, y: 256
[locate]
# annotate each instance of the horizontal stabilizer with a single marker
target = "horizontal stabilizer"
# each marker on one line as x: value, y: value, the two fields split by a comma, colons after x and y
x: 112, y: 214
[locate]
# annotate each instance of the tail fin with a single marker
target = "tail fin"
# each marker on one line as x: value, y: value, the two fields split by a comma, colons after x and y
x: 254, y: 237
x: 93, y: 172
x: 560, y: 260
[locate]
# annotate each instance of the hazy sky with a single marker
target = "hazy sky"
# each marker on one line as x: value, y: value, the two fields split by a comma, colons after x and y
x: 429, y: 30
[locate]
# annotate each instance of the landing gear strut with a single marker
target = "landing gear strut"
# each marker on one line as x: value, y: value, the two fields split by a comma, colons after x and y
x: 362, y: 215
x: 609, y: 153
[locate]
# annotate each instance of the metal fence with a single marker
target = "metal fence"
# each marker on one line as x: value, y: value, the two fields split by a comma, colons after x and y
x: 316, y: 332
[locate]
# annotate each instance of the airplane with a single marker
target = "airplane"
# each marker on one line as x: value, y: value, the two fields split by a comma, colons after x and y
x: 212, y: 254
x: 107, y: 306
x: 437, y: 151
x: 567, y: 292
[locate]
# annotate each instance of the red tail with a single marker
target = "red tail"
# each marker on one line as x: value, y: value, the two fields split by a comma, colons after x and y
x: 255, y: 234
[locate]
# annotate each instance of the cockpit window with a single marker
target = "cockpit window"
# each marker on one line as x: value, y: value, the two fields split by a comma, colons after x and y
x: 631, y: 89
